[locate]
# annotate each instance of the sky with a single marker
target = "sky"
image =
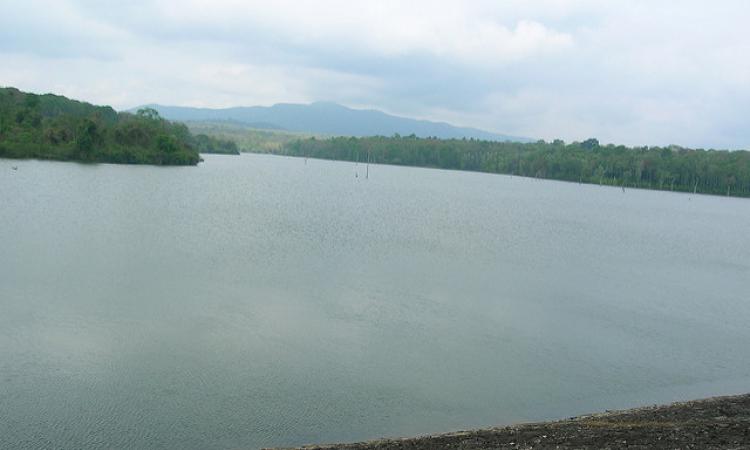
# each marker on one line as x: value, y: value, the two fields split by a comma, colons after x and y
x: 636, y: 72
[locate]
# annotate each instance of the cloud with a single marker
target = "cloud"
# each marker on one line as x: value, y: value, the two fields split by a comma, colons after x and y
x: 55, y: 30
x: 633, y: 72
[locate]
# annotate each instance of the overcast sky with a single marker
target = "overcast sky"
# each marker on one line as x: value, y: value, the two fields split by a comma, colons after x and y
x: 625, y: 71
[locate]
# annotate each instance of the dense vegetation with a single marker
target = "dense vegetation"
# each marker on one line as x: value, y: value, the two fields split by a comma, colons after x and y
x: 247, y: 137
x: 210, y: 144
x: 669, y: 168
x: 54, y: 127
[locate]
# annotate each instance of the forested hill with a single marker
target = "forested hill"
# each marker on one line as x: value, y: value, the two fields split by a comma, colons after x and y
x: 54, y: 127
x: 666, y: 168
x: 328, y: 119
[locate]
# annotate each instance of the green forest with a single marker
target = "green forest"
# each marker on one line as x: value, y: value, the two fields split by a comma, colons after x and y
x: 54, y: 127
x: 247, y: 138
x: 212, y: 144
x: 667, y: 168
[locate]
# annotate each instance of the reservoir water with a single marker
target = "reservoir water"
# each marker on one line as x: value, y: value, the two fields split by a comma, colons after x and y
x: 266, y: 301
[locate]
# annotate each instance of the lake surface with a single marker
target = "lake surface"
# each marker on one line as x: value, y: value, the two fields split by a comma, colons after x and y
x: 264, y: 301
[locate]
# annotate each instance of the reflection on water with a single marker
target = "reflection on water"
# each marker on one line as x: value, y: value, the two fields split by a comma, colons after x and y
x: 257, y: 300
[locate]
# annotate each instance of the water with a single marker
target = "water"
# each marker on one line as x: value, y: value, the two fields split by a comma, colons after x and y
x: 261, y: 301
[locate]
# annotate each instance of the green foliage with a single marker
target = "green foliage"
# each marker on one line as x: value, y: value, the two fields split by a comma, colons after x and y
x: 245, y: 137
x: 211, y: 144
x: 166, y: 144
x: 87, y: 139
x: 148, y: 113
x: 666, y: 168
x: 54, y: 127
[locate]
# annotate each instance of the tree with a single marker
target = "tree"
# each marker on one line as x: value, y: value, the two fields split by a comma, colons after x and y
x: 715, y: 172
x: 167, y: 144
x: 88, y: 137
x: 54, y: 127
x: 590, y: 144
x: 148, y: 113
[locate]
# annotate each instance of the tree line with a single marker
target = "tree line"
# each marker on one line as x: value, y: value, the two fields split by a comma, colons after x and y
x: 54, y: 127
x: 667, y: 168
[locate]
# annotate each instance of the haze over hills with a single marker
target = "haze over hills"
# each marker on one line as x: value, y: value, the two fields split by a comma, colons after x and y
x: 331, y: 119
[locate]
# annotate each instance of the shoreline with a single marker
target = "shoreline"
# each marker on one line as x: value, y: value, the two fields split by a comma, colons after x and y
x: 526, y: 177
x: 715, y: 422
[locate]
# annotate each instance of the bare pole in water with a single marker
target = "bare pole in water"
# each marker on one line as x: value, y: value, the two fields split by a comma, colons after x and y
x: 367, y: 172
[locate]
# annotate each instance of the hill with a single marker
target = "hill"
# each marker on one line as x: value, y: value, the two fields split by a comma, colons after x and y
x: 329, y: 119
x: 248, y: 138
x: 54, y: 127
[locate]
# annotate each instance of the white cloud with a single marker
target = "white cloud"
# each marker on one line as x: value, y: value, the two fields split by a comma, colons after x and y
x: 651, y: 72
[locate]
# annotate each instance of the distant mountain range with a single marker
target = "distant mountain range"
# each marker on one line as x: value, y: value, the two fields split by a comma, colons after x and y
x: 330, y: 119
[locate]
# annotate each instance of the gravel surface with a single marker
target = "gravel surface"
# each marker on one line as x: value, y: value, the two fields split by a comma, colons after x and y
x: 714, y: 423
